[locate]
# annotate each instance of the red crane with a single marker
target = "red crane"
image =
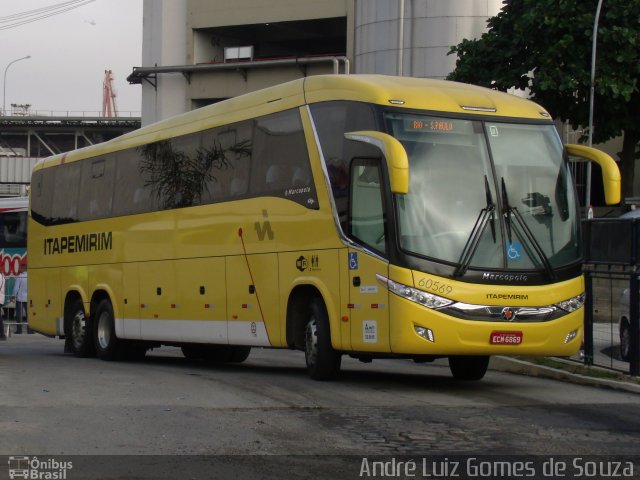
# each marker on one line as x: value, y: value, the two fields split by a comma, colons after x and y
x: 109, y: 107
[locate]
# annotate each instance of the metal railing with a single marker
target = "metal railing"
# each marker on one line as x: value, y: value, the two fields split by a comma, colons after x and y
x: 69, y: 114
x: 612, y: 308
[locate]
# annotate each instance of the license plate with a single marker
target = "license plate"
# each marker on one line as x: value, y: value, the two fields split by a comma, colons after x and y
x: 506, y: 338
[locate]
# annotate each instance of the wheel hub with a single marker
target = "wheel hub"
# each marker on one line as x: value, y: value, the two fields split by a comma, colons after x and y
x: 104, y: 332
x: 311, y: 342
x: 78, y: 329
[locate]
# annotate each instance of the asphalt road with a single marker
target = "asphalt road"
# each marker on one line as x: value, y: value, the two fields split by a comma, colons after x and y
x: 266, y: 416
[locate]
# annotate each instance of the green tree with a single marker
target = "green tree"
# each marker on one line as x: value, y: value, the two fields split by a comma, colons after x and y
x: 553, y: 39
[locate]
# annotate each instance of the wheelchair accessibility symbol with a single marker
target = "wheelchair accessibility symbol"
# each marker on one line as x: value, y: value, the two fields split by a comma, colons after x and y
x: 514, y: 251
x: 353, y: 261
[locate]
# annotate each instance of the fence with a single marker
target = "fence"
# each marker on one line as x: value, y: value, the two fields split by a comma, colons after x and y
x: 612, y: 307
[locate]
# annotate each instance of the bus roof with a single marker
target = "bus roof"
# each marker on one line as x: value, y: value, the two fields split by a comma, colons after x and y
x: 421, y: 93
x: 404, y: 92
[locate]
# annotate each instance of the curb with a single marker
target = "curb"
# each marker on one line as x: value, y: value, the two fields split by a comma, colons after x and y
x: 521, y: 367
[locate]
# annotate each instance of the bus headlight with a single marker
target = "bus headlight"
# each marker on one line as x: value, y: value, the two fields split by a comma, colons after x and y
x: 420, y: 297
x: 572, y: 304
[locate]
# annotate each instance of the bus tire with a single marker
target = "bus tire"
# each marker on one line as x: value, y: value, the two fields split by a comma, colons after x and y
x: 108, y: 347
x: 323, y: 362
x: 468, y: 367
x: 238, y: 354
x: 192, y: 352
x: 80, y: 331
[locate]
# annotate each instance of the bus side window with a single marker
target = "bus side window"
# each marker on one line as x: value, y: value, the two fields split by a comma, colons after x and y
x: 280, y: 166
x: 332, y: 120
x: 66, y: 189
x: 366, y: 206
x: 229, y: 151
x: 238, y: 187
x: 96, y: 188
x: 41, y: 195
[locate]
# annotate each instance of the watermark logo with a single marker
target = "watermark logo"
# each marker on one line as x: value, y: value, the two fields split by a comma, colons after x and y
x: 33, y: 468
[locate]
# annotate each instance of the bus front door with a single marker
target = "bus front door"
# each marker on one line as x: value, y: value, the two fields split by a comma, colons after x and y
x: 368, y: 303
x: 368, y: 300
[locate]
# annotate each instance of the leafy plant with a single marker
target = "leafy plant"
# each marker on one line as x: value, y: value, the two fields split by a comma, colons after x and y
x: 545, y: 45
x: 179, y: 180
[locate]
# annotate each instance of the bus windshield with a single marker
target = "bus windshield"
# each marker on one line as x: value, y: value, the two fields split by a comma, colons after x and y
x: 488, y: 194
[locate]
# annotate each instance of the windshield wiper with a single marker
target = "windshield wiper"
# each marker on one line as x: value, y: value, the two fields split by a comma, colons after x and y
x: 487, y: 193
x: 508, y: 211
x: 469, y: 250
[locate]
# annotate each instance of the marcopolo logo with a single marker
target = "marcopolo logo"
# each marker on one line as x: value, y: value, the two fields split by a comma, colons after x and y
x: 38, y: 469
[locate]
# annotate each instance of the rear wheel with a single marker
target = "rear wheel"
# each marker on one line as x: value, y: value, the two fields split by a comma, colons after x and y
x: 79, y: 331
x: 108, y: 346
x: 238, y: 354
x: 323, y: 362
x: 192, y: 352
x: 471, y: 367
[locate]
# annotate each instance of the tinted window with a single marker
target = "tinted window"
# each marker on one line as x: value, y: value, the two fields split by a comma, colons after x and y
x: 13, y: 229
x: 42, y: 195
x: 229, y: 150
x: 132, y: 195
x: 96, y: 188
x: 266, y: 156
x: 66, y: 185
x: 332, y: 120
x: 280, y: 165
x: 367, y: 207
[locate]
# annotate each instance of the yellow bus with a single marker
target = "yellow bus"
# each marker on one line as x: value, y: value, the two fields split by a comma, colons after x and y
x: 373, y: 216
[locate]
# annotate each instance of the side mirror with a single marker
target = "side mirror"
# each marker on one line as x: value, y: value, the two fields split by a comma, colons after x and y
x: 610, y: 170
x: 394, y: 154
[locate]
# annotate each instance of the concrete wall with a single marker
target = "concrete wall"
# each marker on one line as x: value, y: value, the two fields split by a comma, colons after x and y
x: 164, y: 42
x: 212, y: 13
x: 176, y: 33
x: 431, y: 27
x: 205, y: 14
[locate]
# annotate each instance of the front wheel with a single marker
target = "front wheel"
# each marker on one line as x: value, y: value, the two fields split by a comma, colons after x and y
x: 468, y: 367
x: 108, y: 346
x: 323, y: 362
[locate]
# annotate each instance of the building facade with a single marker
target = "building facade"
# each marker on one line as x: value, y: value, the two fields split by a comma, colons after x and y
x: 198, y: 52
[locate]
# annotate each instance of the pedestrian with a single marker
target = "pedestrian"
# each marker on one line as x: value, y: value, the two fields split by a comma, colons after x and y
x: 20, y: 297
x: 3, y: 336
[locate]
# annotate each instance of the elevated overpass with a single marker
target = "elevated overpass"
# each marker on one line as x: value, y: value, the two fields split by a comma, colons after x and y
x: 26, y: 139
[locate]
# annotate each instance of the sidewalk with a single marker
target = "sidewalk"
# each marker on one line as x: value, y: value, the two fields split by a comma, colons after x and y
x: 563, y: 370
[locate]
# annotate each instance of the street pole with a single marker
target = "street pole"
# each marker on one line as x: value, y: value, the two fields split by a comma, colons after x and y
x: 4, y: 83
x: 401, y: 39
x: 591, y: 101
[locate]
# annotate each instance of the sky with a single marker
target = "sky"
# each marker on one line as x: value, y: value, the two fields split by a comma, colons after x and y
x: 69, y: 54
